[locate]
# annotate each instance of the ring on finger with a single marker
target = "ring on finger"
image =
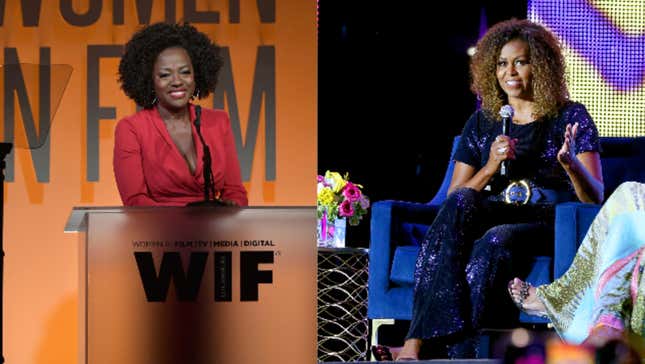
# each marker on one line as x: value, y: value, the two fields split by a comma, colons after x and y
x: 502, y: 150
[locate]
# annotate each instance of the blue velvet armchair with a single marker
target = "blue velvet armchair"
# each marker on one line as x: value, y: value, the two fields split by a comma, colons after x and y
x: 397, y: 228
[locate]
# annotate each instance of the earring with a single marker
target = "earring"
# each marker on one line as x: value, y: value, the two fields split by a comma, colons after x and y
x: 154, y: 101
x: 196, y: 94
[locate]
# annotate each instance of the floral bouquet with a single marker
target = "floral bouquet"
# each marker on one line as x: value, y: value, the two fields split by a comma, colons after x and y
x: 339, y: 198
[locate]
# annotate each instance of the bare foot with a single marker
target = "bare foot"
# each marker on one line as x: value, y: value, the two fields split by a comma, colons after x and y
x: 602, y: 334
x: 395, y: 350
x: 409, y: 351
x: 524, y: 296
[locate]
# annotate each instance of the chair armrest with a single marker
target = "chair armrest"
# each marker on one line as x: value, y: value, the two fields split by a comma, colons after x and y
x: 572, y: 220
x: 387, y: 216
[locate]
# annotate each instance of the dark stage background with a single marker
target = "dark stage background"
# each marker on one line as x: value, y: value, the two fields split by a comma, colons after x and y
x: 393, y: 71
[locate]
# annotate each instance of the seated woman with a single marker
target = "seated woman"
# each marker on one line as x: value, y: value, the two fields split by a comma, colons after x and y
x: 492, y: 223
x: 602, y: 295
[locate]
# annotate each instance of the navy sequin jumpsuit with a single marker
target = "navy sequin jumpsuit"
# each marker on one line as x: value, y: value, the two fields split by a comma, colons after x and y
x: 477, y: 243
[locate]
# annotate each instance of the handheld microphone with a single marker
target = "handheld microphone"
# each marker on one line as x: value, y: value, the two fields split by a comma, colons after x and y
x: 506, y: 112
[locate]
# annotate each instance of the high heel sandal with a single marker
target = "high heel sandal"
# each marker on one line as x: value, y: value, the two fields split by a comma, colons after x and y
x: 524, y: 294
x: 381, y: 353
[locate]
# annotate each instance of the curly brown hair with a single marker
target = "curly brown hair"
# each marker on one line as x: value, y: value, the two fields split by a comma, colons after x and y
x: 136, y: 67
x: 547, y: 67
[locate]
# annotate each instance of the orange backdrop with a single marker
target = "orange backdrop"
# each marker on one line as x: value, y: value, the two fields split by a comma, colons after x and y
x: 271, y: 49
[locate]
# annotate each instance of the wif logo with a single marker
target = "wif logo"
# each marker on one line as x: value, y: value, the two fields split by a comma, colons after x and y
x: 187, y: 282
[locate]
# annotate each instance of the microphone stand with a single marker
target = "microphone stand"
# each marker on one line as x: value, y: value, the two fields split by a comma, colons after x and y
x: 209, y: 182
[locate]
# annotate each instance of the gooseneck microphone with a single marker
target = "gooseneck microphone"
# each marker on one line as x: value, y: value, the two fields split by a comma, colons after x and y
x: 209, y: 183
x: 506, y: 112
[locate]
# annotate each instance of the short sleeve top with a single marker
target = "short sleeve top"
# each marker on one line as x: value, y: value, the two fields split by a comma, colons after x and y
x: 536, y: 149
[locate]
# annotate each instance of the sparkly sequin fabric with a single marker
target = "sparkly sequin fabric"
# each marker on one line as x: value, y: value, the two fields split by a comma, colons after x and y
x: 604, y: 285
x: 537, y: 147
x: 476, y: 245
x: 470, y: 252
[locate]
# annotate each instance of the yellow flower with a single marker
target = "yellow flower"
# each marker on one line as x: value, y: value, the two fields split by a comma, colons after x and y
x: 336, y: 180
x: 326, y: 196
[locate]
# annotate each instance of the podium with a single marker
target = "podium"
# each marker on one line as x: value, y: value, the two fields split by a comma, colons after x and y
x: 196, y: 285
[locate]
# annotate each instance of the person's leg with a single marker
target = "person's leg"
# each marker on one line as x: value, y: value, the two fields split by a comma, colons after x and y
x: 441, y: 300
x: 500, y: 252
x: 410, y: 350
x: 491, y: 262
x: 569, y: 299
x: 617, y: 289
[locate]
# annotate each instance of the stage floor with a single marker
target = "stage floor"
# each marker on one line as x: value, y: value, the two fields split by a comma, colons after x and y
x: 434, y: 361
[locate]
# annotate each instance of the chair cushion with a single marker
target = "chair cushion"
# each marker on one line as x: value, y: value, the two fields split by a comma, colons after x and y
x: 409, y: 233
x: 405, y: 258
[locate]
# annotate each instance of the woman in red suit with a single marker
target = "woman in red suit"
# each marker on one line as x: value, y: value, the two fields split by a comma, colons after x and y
x: 158, y: 156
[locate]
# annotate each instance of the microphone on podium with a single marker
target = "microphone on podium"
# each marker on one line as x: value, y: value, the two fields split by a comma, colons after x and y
x: 506, y: 112
x: 210, y: 198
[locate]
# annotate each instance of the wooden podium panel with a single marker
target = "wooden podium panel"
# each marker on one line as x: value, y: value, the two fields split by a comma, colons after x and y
x: 197, y: 285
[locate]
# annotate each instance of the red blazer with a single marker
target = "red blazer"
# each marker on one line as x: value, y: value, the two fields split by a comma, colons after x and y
x: 150, y: 171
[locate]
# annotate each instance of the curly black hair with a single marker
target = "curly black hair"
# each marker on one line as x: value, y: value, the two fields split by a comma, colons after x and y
x: 141, y: 51
x: 547, y: 65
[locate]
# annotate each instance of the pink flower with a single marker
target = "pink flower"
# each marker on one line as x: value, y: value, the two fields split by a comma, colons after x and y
x: 345, y: 209
x: 351, y: 192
